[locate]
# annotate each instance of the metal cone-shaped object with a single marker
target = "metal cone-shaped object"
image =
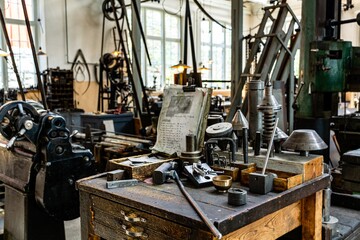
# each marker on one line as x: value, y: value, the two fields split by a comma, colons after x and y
x: 304, y: 140
x: 280, y: 135
x: 239, y: 121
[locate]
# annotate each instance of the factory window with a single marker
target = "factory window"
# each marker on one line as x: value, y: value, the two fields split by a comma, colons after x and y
x: 16, y: 28
x: 215, y: 53
x: 163, y: 41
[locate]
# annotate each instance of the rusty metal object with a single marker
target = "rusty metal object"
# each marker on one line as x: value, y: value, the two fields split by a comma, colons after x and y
x: 196, y: 207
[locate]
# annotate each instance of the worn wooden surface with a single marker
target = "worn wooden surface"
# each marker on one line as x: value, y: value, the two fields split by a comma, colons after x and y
x: 167, y: 202
x: 310, y: 166
x: 137, y: 171
x: 263, y: 229
x: 282, y: 182
x: 312, y: 216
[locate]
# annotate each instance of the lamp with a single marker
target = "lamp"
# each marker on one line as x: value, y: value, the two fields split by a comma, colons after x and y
x: 203, y: 69
x: 180, y: 67
x: 3, y: 53
x: 41, y: 52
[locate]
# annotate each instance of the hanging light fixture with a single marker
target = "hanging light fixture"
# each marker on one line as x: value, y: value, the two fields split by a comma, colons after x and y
x: 41, y: 52
x: 180, y: 67
x: 3, y: 53
x: 203, y: 69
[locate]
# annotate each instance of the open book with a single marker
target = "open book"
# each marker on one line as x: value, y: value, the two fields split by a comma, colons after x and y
x: 182, y: 113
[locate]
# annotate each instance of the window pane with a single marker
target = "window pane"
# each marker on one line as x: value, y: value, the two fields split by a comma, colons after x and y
x: 218, y: 34
x: 155, y: 50
x: 23, y: 56
x: 153, y: 23
x: 13, y: 9
x: 172, y: 26
x: 205, y: 31
x: 218, y: 63
x: 228, y: 35
x: 172, y: 57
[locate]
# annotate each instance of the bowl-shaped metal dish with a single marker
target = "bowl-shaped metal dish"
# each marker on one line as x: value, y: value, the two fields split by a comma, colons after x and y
x: 222, y: 182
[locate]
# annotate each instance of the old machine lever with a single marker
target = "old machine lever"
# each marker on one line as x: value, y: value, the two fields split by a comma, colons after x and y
x: 167, y: 170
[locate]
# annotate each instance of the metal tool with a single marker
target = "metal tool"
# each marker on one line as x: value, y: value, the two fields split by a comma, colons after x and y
x: 163, y: 172
x: 245, y: 145
x: 269, y: 108
x: 255, y: 95
x: 304, y: 140
x: 260, y: 182
x: 121, y: 183
x: 200, y: 174
x: 196, y: 207
x: 192, y: 154
x: 237, y: 196
x: 239, y: 122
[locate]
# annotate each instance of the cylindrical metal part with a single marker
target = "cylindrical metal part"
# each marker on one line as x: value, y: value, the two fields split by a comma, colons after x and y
x: 257, y: 144
x: 190, y: 143
x: 236, y: 196
x: 245, y: 144
x: 327, y: 203
x: 255, y: 91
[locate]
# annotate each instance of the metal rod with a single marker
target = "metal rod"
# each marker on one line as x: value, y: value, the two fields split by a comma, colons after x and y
x: 40, y: 85
x: 196, y: 207
x: 257, y: 144
x: 245, y: 133
x: 270, y: 146
x: 137, y: 14
x: 6, y: 35
x: 137, y: 63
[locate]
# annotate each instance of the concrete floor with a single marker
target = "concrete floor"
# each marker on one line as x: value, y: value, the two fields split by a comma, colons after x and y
x: 73, y: 229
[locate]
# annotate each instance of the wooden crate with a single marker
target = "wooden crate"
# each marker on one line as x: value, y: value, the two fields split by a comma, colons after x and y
x: 138, y: 171
x: 283, y: 181
x: 309, y: 167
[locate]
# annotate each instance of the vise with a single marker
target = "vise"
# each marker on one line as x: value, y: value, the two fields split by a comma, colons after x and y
x: 39, y: 167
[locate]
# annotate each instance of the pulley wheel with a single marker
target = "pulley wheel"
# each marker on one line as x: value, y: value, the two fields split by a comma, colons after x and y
x: 10, y: 115
x: 108, y: 10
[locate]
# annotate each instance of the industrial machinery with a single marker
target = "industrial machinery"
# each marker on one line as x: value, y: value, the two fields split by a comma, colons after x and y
x: 39, y: 167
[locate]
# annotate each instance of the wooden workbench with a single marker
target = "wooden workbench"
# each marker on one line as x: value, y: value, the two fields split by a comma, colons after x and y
x: 161, y: 212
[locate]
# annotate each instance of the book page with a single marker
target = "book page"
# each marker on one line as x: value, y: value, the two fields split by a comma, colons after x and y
x: 182, y: 113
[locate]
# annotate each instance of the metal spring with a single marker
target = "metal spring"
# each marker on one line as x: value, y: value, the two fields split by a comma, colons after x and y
x: 268, y: 125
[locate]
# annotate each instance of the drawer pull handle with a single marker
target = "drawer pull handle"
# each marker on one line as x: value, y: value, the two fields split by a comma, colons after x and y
x: 132, y: 217
x: 134, y: 231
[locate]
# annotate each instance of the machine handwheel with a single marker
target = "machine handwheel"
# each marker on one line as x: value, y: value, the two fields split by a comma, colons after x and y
x: 108, y: 10
x: 11, y: 113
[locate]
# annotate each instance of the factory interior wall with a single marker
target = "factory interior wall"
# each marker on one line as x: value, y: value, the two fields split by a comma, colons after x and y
x: 83, y: 31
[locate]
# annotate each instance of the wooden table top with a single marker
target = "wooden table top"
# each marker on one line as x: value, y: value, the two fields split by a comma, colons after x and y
x: 167, y: 201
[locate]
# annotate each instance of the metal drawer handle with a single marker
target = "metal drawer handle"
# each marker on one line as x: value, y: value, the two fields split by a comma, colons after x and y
x: 134, y: 231
x: 132, y: 217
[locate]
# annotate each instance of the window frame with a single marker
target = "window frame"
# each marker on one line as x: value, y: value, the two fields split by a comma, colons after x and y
x: 35, y: 32
x: 145, y: 68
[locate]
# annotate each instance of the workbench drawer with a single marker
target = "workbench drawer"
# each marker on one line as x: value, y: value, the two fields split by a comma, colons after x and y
x: 117, y: 217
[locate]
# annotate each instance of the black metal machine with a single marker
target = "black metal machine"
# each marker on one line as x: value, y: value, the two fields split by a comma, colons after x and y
x: 39, y: 167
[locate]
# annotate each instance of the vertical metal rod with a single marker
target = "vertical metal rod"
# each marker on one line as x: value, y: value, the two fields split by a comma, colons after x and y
x: 191, y: 143
x: 40, y: 84
x: 6, y: 35
x: 196, y: 207
x: 270, y: 146
x: 137, y: 14
x: 257, y: 144
x: 137, y: 63
x: 245, y: 144
x: 186, y: 33
x: 327, y: 204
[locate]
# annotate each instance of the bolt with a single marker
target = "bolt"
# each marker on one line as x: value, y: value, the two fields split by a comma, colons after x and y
x: 28, y: 124
x: 59, y: 149
x: 86, y: 158
x: 71, y: 182
x: 48, y: 164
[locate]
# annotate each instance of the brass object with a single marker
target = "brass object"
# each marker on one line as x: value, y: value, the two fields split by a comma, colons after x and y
x: 222, y: 182
x: 304, y: 140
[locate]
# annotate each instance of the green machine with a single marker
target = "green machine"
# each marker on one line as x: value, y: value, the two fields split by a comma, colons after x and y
x: 330, y: 65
